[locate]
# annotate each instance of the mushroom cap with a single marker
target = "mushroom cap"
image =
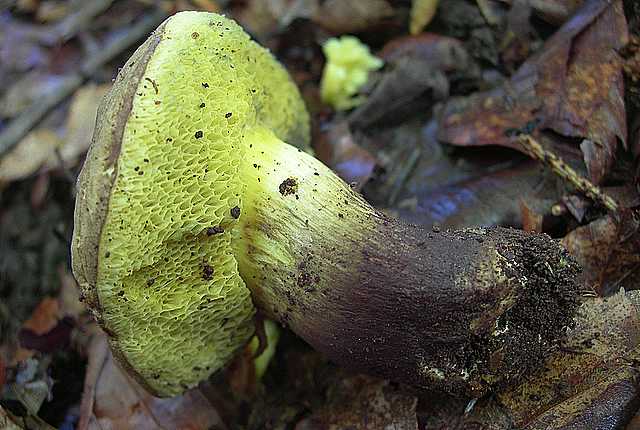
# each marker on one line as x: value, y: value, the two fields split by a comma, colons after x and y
x: 159, y: 197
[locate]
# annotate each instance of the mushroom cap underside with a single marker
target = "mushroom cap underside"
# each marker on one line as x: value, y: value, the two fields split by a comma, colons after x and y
x: 159, y: 197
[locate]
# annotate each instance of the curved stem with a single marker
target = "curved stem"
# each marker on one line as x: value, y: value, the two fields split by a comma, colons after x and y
x: 461, y: 311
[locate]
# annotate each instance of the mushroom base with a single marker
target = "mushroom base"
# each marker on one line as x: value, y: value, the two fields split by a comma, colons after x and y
x: 460, y: 311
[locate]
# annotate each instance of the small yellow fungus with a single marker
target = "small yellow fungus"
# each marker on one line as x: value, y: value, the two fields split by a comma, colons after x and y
x: 349, y: 62
x: 272, y: 335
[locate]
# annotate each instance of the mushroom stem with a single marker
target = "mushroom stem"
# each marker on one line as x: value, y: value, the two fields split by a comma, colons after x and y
x: 461, y: 311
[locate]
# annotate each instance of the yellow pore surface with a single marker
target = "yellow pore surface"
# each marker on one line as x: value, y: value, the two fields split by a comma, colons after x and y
x: 168, y: 281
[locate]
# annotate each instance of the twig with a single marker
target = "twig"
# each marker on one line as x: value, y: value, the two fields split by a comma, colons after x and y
x: 487, y: 13
x: 98, y: 356
x: 403, y: 175
x: 533, y: 148
x: 31, y: 116
x: 80, y: 19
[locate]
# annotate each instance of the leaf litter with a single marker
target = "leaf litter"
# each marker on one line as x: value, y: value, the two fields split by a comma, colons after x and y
x: 437, y: 142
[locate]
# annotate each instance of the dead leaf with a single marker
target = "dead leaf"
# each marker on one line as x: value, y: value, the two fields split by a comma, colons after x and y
x: 120, y: 403
x: 207, y: 5
x: 44, y: 317
x: 241, y: 374
x: 442, y: 412
x: 39, y: 190
x: 339, y: 16
x: 589, y: 381
x: 409, y: 86
x: 27, y: 6
x: 360, y: 402
x: 20, y: 47
x: 422, y: 12
x: 531, y: 220
x: 608, y: 249
x: 51, y: 10
x: 6, y: 422
x: 32, y: 152
x: 69, y: 294
x: 338, y: 149
x: 488, y: 11
x: 572, y: 87
x: 79, y: 125
x: 415, y: 77
x: 51, y: 323
x: 553, y: 11
x: 55, y: 339
x: 267, y: 17
x: 30, y: 88
x: 483, y: 198
x: 606, y: 404
x: 42, y: 148
x: 440, y: 52
x: 31, y: 384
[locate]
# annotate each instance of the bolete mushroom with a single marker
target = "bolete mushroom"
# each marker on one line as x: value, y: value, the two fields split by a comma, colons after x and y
x: 192, y: 212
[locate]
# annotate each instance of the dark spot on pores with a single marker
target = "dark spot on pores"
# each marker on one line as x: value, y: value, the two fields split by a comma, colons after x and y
x: 235, y: 212
x: 214, y: 230
x: 153, y: 83
x: 207, y: 272
x: 288, y: 186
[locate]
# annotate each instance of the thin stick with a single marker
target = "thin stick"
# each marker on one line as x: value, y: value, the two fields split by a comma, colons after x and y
x: 30, y: 117
x: 533, y: 148
x: 80, y: 19
x: 98, y: 356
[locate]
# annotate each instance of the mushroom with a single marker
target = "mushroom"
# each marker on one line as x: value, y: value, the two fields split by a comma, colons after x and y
x: 346, y: 71
x: 192, y: 212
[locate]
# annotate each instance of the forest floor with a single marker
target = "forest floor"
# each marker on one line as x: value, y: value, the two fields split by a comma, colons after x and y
x: 495, y: 112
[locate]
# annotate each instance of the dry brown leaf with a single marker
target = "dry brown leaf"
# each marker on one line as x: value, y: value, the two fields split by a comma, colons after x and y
x: 339, y: 16
x: 44, y: 317
x: 416, y: 75
x: 531, y: 220
x: 572, y: 87
x: 453, y: 197
x: 338, y: 149
x: 44, y: 148
x: 28, y: 89
x: 608, y: 249
x: 52, y: 10
x: 27, y: 157
x: 6, y: 423
x: 265, y: 17
x: 207, y: 5
x: 555, y: 11
x: 441, y: 52
x: 589, y: 381
x: 27, y: 6
x: 119, y: 403
x: 80, y: 122
x: 69, y: 296
x: 410, y: 85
